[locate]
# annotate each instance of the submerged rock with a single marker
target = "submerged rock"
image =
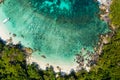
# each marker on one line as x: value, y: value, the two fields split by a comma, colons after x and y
x: 14, y: 35
x: 43, y: 56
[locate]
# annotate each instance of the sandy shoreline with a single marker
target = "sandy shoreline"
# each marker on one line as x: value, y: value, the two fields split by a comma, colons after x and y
x: 5, y: 35
x: 56, y: 67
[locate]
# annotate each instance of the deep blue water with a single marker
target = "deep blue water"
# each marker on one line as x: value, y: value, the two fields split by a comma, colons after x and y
x: 57, y: 29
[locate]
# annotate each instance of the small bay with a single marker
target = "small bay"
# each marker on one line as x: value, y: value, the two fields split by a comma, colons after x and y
x: 58, y: 29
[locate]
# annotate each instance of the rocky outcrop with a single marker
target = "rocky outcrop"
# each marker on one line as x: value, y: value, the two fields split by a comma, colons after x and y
x: 28, y: 51
x: 1, y: 1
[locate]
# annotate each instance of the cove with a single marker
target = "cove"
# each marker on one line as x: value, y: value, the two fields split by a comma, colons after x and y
x: 58, y: 29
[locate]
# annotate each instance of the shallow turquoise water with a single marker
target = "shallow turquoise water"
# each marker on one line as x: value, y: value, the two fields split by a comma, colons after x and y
x: 57, y: 29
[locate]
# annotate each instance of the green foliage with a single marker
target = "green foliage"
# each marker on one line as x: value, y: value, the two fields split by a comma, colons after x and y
x: 33, y: 73
x: 13, y: 61
x: 115, y: 12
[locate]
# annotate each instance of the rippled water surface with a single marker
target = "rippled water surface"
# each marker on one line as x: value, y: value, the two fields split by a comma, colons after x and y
x: 57, y: 29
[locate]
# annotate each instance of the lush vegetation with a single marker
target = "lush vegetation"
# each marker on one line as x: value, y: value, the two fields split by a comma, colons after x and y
x: 115, y: 12
x: 13, y: 64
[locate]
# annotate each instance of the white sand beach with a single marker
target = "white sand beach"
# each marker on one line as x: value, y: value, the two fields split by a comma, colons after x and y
x: 57, y: 67
x: 4, y: 33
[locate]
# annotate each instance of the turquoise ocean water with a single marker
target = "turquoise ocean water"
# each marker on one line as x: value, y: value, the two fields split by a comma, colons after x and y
x: 58, y: 29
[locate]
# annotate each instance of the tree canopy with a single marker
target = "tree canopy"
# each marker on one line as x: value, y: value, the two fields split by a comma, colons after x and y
x: 13, y: 60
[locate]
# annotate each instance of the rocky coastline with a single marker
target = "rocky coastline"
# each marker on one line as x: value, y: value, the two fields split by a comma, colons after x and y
x: 103, y: 39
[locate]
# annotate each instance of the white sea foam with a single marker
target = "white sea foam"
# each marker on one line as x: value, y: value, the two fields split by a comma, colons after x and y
x: 104, y: 1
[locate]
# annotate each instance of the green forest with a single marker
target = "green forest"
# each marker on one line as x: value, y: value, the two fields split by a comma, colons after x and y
x: 13, y: 64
